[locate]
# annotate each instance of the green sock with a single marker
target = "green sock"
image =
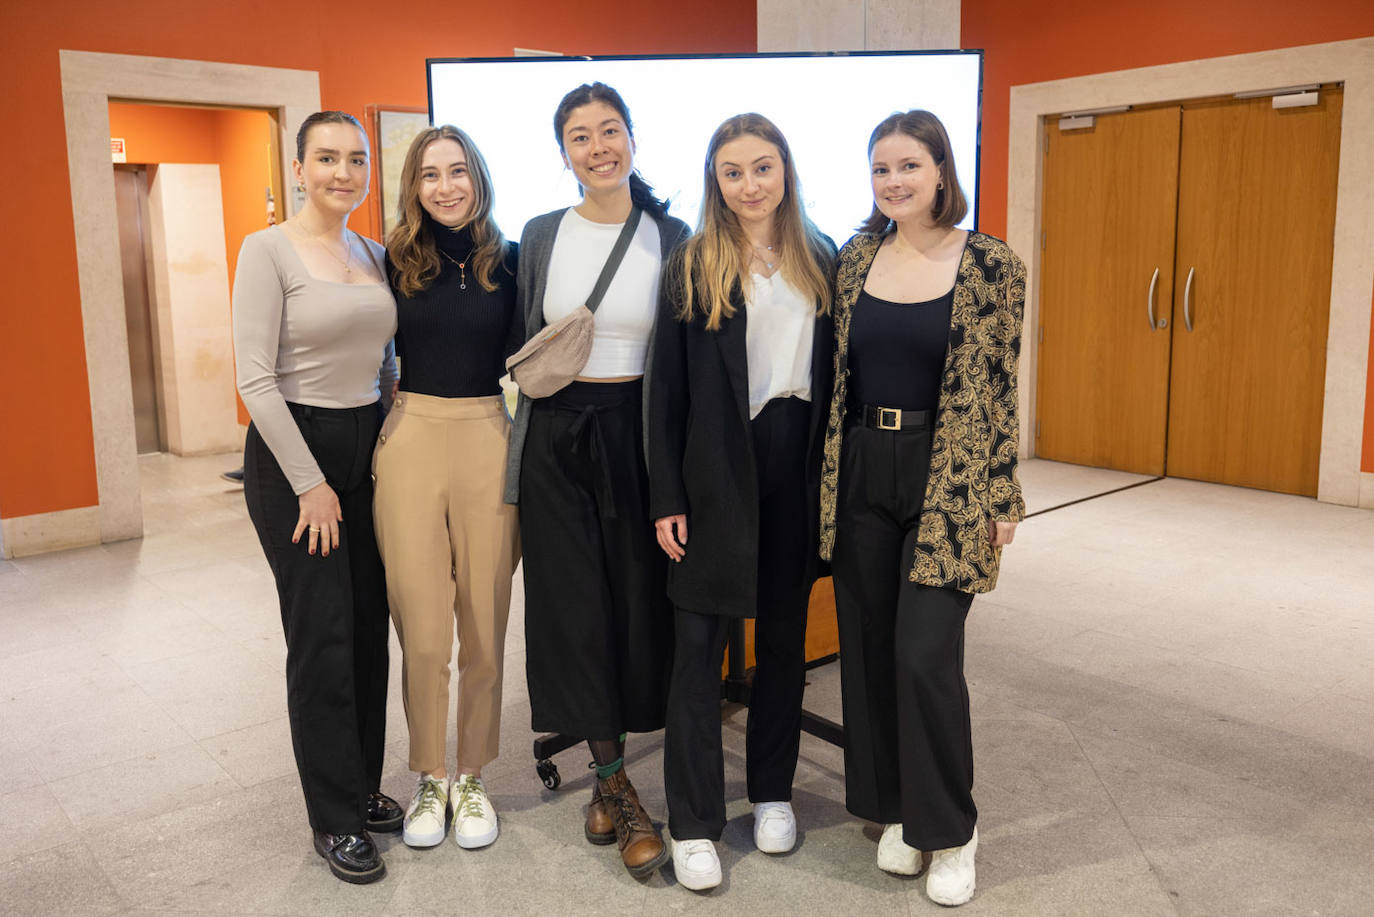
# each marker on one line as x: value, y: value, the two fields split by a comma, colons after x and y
x: 606, y: 770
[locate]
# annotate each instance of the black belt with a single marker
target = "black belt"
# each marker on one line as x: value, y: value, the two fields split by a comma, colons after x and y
x: 892, y: 418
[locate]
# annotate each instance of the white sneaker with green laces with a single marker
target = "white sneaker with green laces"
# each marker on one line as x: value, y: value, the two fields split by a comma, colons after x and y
x: 474, y: 817
x: 426, y: 815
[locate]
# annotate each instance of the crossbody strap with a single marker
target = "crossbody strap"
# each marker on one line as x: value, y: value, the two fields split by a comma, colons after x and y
x: 622, y: 245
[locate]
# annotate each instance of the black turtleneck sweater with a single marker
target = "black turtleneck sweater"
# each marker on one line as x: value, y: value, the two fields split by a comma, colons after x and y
x: 453, y: 342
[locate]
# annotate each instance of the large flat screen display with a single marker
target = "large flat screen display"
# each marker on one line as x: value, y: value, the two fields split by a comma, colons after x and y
x: 825, y: 104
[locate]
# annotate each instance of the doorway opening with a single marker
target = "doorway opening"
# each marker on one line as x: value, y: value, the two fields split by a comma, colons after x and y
x: 90, y: 81
x: 194, y: 181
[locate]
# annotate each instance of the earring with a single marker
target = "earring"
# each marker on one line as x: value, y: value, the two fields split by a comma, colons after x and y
x: 939, y: 186
x: 300, y: 186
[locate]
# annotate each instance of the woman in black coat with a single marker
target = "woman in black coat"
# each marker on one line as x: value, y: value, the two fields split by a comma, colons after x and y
x: 741, y: 372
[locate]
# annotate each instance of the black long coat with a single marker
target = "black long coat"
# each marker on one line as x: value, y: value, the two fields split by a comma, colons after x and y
x: 701, y: 452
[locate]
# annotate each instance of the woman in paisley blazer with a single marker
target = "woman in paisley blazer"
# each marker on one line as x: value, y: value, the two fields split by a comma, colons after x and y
x: 918, y: 492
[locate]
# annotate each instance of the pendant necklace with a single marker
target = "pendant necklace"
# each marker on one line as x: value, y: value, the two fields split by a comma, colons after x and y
x: 759, y: 253
x: 347, y: 263
x: 462, y: 266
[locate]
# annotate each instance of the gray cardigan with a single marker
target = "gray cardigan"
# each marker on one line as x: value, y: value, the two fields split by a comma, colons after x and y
x: 536, y: 250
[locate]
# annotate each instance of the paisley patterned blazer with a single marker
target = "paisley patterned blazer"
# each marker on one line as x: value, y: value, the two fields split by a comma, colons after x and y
x: 973, y: 451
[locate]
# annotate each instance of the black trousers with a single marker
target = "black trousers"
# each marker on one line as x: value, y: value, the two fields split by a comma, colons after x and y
x: 333, y: 612
x: 693, y: 760
x: 598, y: 626
x: 908, y: 741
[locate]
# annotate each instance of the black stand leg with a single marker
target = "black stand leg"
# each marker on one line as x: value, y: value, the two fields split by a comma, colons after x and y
x: 545, y: 747
x: 735, y: 689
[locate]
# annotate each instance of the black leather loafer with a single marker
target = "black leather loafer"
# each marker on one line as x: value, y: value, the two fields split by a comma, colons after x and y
x: 384, y: 814
x: 351, y: 857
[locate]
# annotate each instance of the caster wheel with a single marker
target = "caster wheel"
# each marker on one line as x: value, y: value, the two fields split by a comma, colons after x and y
x: 548, y: 772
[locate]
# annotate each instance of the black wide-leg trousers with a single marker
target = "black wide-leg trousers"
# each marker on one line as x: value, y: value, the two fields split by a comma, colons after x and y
x: 333, y: 612
x: 693, y: 759
x: 598, y: 625
x: 908, y: 740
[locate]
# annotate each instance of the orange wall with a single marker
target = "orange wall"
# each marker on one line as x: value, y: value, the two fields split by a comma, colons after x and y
x: 245, y: 167
x: 163, y: 133
x: 1055, y: 39
x: 364, y: 54
x: 237, y: 140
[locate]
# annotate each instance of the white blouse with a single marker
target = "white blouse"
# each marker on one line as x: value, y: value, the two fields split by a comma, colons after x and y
x: 778, y: 333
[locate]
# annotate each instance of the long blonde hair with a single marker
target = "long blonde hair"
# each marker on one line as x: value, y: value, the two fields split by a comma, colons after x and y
x: 714, y: 260
x: 410, y: 244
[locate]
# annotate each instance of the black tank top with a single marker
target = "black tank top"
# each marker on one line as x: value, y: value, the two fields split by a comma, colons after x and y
x: 897, y: 351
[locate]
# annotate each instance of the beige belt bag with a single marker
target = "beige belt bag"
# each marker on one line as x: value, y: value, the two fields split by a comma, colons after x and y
x: 558, y: 352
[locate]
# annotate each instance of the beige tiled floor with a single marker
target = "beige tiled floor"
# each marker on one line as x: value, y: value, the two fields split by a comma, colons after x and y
x: 1173, y: 695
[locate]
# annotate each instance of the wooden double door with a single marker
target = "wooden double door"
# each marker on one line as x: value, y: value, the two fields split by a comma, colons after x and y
x: 1185, y: 290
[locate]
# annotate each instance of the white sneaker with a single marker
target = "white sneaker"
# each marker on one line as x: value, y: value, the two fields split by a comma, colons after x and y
x: 696, y: 865
x: 427, y: 813
x: 775, y: 827
x: 951, y: 878
x: 895, y: 856
x: 474, y: 818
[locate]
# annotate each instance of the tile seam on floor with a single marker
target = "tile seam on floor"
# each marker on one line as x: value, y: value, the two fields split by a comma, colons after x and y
x: 1125, y: 822
x: 1105, y: 493
x: 1110, y: 733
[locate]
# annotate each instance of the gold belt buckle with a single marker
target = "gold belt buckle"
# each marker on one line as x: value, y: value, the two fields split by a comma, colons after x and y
x: 889, y: 418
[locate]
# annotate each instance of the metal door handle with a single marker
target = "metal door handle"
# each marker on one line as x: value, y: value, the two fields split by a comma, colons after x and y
x: 1188, y: 300
x: 1150, y: 300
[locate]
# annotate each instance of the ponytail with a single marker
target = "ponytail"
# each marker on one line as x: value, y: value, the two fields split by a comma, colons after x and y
x: 642, y: 196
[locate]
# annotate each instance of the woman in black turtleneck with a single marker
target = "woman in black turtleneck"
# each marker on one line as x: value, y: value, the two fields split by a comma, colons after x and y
x: 449, y: 543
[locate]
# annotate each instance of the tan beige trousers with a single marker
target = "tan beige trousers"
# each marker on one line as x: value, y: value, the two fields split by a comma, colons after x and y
x: 450, y: 546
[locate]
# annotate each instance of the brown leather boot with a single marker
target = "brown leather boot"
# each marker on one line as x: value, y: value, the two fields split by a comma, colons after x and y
x: 600, y: 829
x: 641, y: 848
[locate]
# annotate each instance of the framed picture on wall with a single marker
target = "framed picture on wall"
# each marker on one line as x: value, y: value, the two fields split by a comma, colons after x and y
x: 393, y: 127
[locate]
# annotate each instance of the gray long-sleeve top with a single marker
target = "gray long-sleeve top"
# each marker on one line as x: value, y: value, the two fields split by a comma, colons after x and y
x: 306, y: 341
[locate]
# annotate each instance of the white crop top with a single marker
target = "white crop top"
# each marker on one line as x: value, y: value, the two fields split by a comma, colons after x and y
x: 625, y: 317
x: 777, y: 339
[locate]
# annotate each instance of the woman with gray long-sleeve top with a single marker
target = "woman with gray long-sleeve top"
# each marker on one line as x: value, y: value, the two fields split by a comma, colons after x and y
x: 313, y: 323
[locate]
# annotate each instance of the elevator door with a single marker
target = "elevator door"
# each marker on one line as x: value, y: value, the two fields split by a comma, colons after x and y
x: 131, y: 190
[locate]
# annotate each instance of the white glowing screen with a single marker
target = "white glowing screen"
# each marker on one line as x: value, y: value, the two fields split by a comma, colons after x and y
x: 826, y: 106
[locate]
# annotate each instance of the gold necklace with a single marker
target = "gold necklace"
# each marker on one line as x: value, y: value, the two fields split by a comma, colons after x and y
x: 462, y: 266
x: 348, y: 246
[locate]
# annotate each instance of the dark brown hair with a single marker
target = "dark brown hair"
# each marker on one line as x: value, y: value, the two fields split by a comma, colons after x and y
x: 324, y: 117
x: 414, y: 258
x: 950, y: 204
x: 641, y: 192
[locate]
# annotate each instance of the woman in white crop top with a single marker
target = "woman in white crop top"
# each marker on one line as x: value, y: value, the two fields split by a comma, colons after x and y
x: 313, y: 322
x: 741, y: 371
x: 597, y: 626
